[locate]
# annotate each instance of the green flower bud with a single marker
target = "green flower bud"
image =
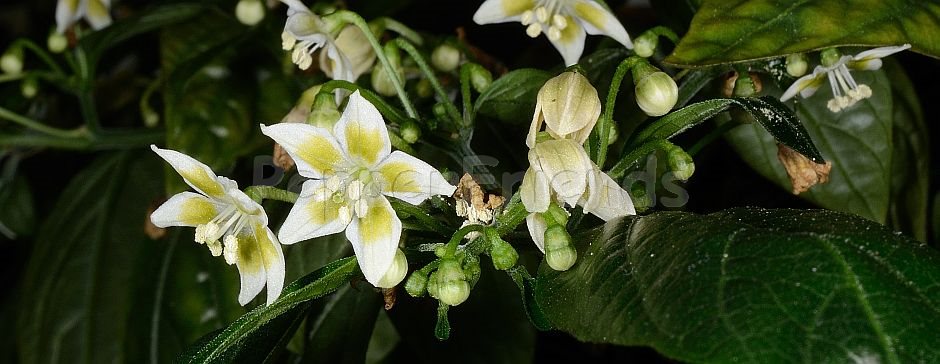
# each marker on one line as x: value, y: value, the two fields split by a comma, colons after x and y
x: 29, y: 87
x: 797, y: 65
x: 324, y: 113
x: 612, y: 133
x: 480, y: 78
x: 440, y: 251
x: 12, y: 60
x: 556, y: 215
x: 410, y: 131
x: 423, y: 88
x: 559, y: 254
x: 396, y: 272
x: 417, y: 284
x: 445, y: 57
x: 249, y: 12
x: 645, y: 44
x: 744, y: 86
x: 829, y: 56
x: 641, y: 200
x: 382, y: 83
x: 503, y: 254
x: 440, y: 110
x: 656, y: 92
x: 57, y: 42
x: 680, y: 163
x: 449, y: 284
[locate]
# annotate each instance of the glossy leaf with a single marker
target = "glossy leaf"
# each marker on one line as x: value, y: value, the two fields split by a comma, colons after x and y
x: 858, y: 142
x: 340, y: 331
x: 511, y: 98
x: 149, y: 20
x: 18, y: 215
x: 724, y: 31
x: 910, y: 160
x: 751, y: 285
x: 770, y: 113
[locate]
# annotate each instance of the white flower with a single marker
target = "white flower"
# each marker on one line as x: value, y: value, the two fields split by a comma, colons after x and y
x: 305, y: 33
x: 563, y: 21
x: 354, y: 47
x: 568, y: 105
x: 221, y: 211
x: 67, y: 12
x: 560, y: 169
x: 352, y: 169
x: 845, y: 91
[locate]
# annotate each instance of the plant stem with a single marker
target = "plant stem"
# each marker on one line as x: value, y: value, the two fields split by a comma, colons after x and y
x: 379, y: 102
x: 633, y: 157
x: 40, y: 127
x: 117, y: 139
x: 451, y: 247
x: 419, y: 214
x: 429, y: 73
x: 512, y: 215
x: 465, y: 70
x: 602, y: 128
x: 355, y: 19
x: 401, y: 29
x: 259, y: 193
x: 41, y: 53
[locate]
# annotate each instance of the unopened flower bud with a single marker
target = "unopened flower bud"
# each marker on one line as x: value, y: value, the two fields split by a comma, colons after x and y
x: 641, y: 199
x: 382, y: 83
x: 410, y: 131
x: 680, y: 163
x: 645, y: 44
x: 423, y: 88
x: 568, y: 105
x: 417, y: 284
x: 440, y: 110
x: 612, y: 133
x: 12, y: 60
x: 503, y: 254
x: 449, y: 284
x: 249, y: 12
x: 396, y: 272
x: 324, y: 113
x: 797, y: 65
x: 559, y: 253
x: 829, y: 57
x: 445, y: 57
x: 480, y: 78
x: 29, y: 87
x: 556, y: 215
x: 656, y: 92
x: 746, y: 85
x: 57, y: 42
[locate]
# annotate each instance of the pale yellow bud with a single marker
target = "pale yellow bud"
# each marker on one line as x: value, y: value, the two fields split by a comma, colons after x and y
x: 569, y: 107
x: 249, y: 12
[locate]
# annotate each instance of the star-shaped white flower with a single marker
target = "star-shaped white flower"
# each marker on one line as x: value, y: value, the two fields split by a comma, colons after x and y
x: 221, y: 211
x: 560, y: 169
x: 352, y: 169
x: 96, y: 12
x: 845, y: 91
x: 305, y: 33
x: 564, y: 22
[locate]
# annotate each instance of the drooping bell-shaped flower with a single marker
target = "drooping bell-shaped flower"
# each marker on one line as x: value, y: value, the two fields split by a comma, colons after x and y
x: 228, y: 222
x: 564, y: 22
x: 568, y: 106
x: 96, y: 12
x: 305, y: 33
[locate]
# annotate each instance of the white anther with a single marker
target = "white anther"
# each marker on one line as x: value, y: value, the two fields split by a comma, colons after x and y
x: 534, y: 30
x: 287, y: 41
x: 541, y: 13
x: 354, y: 190
x: 214, y: 247
x: 333, y: 183
x: 201, y: 234
x: 344, y: 214
x: 527, y: 17
x: 362, y: 208
x: 231, y: 249
x: 559, y: 22
x: 553, y: 33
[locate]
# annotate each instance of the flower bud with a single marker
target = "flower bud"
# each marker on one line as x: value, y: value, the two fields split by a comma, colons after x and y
x: 480, y: 78
x: 445, y: 57
x: 797, y: 65
x: 396, y: 272
x: 612, y: 133
x: 829, y: 57
x: 29, y: 87
x: 57, y: 42
x: 746, y: 85
x: 424, y: 89
x: 410, y: 131
x: 568, y: 105
x: 324, y: 113
x: 645, y: 44
x: 417, y: 284
x: 503, y: 254
x: 680, y: 163
x: 556, y: 215
x: 249, y: 12
x: 382, y: 83
x: 449, y: 284
x: 12, y: 60
x: 656, y: 92
x: 641, y: 199
x: 440, y: 110
x: 559, y: 254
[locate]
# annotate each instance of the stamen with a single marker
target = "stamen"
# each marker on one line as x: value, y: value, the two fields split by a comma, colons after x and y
x: 231, y: 249
x: 344, y: 214
x: 201, y: 234
x: 287, y: 41
x: 354, y: 190
x: 362, y: 208
x: 541, y: 13
x: 534, y: 30
x: 559, y: 22
x: 553, y: 33
x: 527, y: 17
x: 215, y: 248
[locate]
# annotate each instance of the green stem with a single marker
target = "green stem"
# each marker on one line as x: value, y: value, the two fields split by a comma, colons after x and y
x: 355, y: 19
x: 401, y: 29
x: 259, y: 193
x: 390, y: 112
x: 85, y: 92
x: 637, y: 154
x: 663, y: 31
x: 512, y: 215
x: 41, y: 53
x: 40, y: 127
x: 429, y: 73
x: 451, y: 247
x: 105, y: 140
x: 419, y: 214
x: 603, y: 124
x: 465, y: 71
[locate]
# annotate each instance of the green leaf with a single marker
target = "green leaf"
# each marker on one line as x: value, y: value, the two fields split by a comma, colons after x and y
x: 725, y: 31
x: 751, y: 285
x: 149, y: 20
x: 79, y: 285
x: 340, y: 331
x: 265, y: 329
x: 18, y: 216
x: 910, y: 160
x: 770, y: 113
x: 858, y: 142
x: 511, y: 98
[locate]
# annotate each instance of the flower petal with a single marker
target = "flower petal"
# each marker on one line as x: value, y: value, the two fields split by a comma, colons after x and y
x: 250, y: 263
x: 67, y: 12
x: 314, y: 150
x: 879, y: 52
x: 98, y: 14
x: 335, y: 64
x: 273, y: 259
x: 571, y: 42
x: 196, y: 174
x: 536, y: 124
x: 374, y: 238
x: 566, y: 167
x: 351, y: 44
x: 361, y: 131
x: 806, y: 85
x: 501, y: 11
x: 314, y: 214
x: 535, y: 192
x: 411, y: 179
x: 570, y: 105
x: 185, y: 209
x: 537, y: 227
x: 605, y: 198
x: 598, y: 20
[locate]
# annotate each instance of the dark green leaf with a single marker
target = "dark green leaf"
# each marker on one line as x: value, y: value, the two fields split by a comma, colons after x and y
x: 676, y: 14
x: 770, y: 113
x: 857, y: 141
x: 259, y: 332
x: 340, y: 331
x: 17, y: 217
x: 724, y: 31
x: 910, y: 160
x: 79, y: 285
x: 511, y: 98
x: 149, y: 20
x: 752, y: 285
